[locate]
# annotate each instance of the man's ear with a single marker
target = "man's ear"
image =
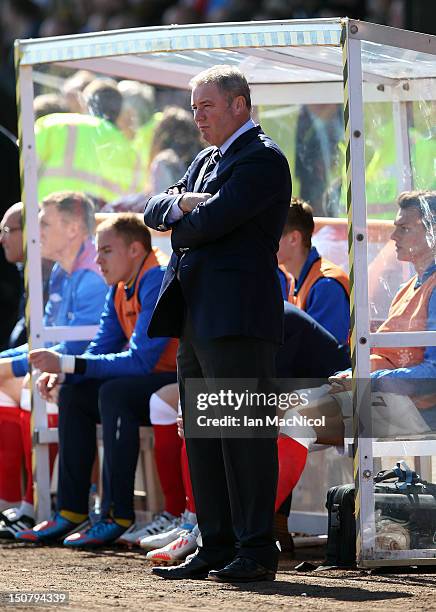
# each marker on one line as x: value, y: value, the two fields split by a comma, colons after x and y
x: 136, y: 249
x: 295, y: 237
x: 239, y: 105
x: 72, y: 229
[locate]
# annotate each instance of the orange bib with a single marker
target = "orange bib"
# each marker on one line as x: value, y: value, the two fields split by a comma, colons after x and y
x: 408, y: 312
x: 320, y: 268
x: 128, y: 311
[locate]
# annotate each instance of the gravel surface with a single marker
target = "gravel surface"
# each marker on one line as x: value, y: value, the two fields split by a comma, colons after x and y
x: 119, y: 578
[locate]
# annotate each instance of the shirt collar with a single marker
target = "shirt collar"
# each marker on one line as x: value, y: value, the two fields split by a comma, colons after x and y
x: 129, y: 287
x: 244, y: 128
x: 312, y: 256
x: 427, y: 273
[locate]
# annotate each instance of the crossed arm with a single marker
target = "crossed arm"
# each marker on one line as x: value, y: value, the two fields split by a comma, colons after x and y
x: 243, y: 196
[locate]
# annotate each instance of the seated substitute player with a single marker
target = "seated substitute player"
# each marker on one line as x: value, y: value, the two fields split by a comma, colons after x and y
x: 76, y: 297
x: 402, y: 379
x: 119, y: 371
x: 314, y: 284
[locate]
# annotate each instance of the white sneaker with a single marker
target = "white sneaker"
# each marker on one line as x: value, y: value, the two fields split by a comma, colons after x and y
x: 177, y: 550
x: 15, y: 514
x: 185, y: 522
x: 161, y: 522
x: 7, y: 505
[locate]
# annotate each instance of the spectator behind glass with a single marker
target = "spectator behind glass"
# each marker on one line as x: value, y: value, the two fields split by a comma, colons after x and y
x: 46, y: 104
x: 319, y: 131
x: 176, y: 141
x: 137, y: 119
x: 73, y: 90
x: 103, y: 99
x: 87, y: 152
x: 137, y: 107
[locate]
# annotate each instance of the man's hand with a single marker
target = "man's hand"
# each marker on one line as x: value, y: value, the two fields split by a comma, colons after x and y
x: 180, y: 429
x: 45, y: 360
x: 342, y: 381
x: 191, y: 200
x: 48, y: 386
x: 176, y: 190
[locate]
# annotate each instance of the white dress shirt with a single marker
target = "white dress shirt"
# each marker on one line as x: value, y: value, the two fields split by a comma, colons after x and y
x: 175, y: 213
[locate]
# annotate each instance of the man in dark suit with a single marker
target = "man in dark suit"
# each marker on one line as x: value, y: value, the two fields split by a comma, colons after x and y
x: 221, y: 295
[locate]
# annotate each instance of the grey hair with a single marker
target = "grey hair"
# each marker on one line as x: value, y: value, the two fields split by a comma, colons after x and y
x: 139, y: 97
x: 228, y: 79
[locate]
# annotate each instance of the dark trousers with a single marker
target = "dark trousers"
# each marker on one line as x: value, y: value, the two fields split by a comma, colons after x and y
x: 234, y: 479
x: 121, y: 405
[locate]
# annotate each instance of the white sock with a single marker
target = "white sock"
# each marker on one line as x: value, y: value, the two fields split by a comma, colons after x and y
x: 25, y: 400
x: 301, y: 433
x: 161, y: 413
x: 14, y: 514
x: 27, y: 509
x: 190, y: 517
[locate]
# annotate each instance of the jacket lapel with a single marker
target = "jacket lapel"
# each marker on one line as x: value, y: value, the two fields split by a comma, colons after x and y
x: 204, y: 163
x: 228, y: 157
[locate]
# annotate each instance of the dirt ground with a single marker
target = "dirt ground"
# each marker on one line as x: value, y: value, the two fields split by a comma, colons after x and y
x: 119, y: 578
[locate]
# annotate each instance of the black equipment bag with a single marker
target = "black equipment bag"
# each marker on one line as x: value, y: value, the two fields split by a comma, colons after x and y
x: 400, y: 496
x: 341, y: 543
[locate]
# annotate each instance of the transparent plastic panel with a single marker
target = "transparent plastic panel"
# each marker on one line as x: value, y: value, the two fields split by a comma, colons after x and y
x: 324, y: 468
x: 312, y: 138
x: 397, y: 63
x: 103, y: 146
x: 400, y: 157
x: 404, y: 504
x: 397, y: 415
x: 377, y: 60
x: 423, y: 141
x: 100, y: 134
x: 403, y: 400
x: 117, y: 141
x: 265, y: 65
x: 398, y: 427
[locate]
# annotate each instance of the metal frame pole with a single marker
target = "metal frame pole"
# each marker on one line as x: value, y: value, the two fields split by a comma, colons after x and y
x: 32, y: 276
x: 357, y: 251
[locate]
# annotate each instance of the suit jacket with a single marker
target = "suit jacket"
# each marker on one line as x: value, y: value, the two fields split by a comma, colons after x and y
x: 223, y: 269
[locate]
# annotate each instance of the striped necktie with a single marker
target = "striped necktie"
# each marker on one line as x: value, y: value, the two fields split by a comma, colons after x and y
x: 210, y: 166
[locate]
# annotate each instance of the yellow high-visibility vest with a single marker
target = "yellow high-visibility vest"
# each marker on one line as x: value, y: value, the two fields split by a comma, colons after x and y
x: 144, y: 137
x: 381, y: 173
x: 84, y: 153
x: 424, y: 162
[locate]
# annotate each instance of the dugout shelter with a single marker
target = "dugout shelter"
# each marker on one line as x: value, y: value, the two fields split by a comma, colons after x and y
x: 382, y: 79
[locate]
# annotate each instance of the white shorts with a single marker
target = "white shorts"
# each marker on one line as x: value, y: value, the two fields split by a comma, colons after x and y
x: 392, y: 415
